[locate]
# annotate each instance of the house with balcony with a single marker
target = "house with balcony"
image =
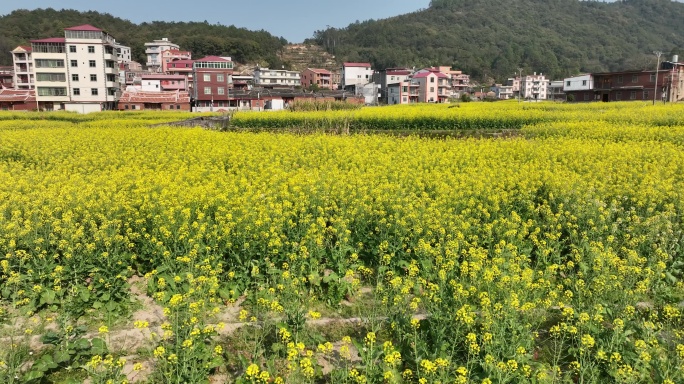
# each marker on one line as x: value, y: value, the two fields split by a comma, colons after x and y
x: 555, y: 91
x: 390, y: 76
x: 316, y: 76
x: 6, y: 77
x: 534, y: 87
x: 502, y: 92
x: 435, y: 86
x: 276, y: 78
x: 404, y: 92
x: 77, y: 72
x: 154, y: 51
x: 24, y: 77
x: 356, y: 75
x: 212, y: 82
x: 123, y: 53
x: 172, y: 55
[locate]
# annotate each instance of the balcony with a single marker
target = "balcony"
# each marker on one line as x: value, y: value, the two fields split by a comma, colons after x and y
x: 111, y: 84
x: 110, y: 56
x: 112, y: 71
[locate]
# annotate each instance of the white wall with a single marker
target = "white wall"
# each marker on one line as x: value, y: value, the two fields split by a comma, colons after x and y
x: 357, y: 76
x: 83, y: 107
x: 578, y: 83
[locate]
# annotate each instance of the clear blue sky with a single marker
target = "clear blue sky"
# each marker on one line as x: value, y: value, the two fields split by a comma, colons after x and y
x: 295, y: 20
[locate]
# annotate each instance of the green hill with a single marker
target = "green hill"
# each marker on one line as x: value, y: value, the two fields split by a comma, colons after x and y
x: 492, y: 38
x: 21, y: 26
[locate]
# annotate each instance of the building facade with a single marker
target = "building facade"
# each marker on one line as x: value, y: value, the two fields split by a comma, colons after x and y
x: 405, y: 92
x: 123, y: 53
x: 154, y: 101
x: 434, y: 86
x: 154, y: 52
x: 316, y: 76
x: 163, y: 82
x: 212, y: 78
x: 6, y: 77
x: 356, y: 74
x: 24, y: 77
x: 270, y: 78
x: 534, y: 87
x: 555, y: 91
x: 17, y: 100
x: 78, y: 72
x: 171, y: 55
x: 390, y: 76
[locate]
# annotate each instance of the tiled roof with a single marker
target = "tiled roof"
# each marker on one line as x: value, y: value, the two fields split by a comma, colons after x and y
x: 356, y: 64
x: 50, y: 40
x: 154, y: 97
x: 320, y: 71
x: 14, y: 95
x: 213, y: 58
x: 24, y: 47
x: 420, y: 75
x: 84, y: 27
x: 400, y: 73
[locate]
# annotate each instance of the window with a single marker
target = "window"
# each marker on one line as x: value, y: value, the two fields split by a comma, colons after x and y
x: 635, y: 78
x: 178, y: 106
x: 93, y: 91
x: 432, y: 79
x: 405, y: 99
x: 49, y: 63
x: 219, y: 78
x: 586, y: 96
x: 432, y: 89
x: 567, y: 83
x: 618, y: 96
x: 619, y: 79
x: 74, y: 77
x: 72, y: 48
x: 221, y: 91
x: 653, y: 77
x: 646, y: 95
x: 77, y: 92
x: 584, y: 82
x: 632, y: 95
x: 93, y: 77
x: 207, y: 90
x: 91, y: 49
x: 50, y: 77
x: 207, y: 77
x: 92, y: 63
x: 126, y: 107
x: 404, y: 89
x: 74, y: 63
x: 52, y: 91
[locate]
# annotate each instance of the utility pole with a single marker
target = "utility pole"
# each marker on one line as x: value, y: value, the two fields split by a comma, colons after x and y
x: 519, y: 84
x: 655, y: 88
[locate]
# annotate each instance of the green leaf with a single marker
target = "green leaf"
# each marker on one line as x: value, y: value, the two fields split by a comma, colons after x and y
x: 81, y: 344
x: 84, y: 295
x: 47, y: 297
x: 99, y: 346
x: 105, y: 296
x: 34, y: 374
x: 62, y: 357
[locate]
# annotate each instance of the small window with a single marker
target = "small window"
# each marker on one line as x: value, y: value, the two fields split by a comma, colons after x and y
x: 219, y: 78
x: 584, y: 82
x: 632, y: 95
x: 77, y: 92
x: 74, y: 63
x: 587, y: 97
x: 567, y: 83
x: 178, y: 106
x: 635, y: 78
x: 619, y: 79
x: 126, y: 107
x: 93, y: 77
x: 91, y: 49
x: 93, y: 91
x: 72, y: 48
x: 221, y: 91
x: 92, y: 63
x: 432, y: 89
x: 646, y: 95
x: 207, y: 77
x: 653, y: 77
x: 133, y: 106
x: 207, y: 90
x: 432, y: 79
x: 618, y: 96
x: 74, y: 77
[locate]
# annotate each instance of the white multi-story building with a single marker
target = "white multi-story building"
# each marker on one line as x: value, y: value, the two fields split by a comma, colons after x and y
x: 78, y: 72
x: 154, y: 52
x: 23, y: 68
x: 356, y: 74
x: 534, y: 87
x: 123, y: 53
x: 264, y: 77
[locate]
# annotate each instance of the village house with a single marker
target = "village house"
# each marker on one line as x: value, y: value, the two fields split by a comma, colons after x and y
x: 212, y: 78
x: 163, y: 82
x: 154, y: 52
x: 316, y: 76
x: 534, y: 87
x: 434, y: 86
x: 388, y: 77
x: 356, y: 75
x: 24, y: 77
x: 135, y: 100
x: 17, y: 100
x: 276, y: 78
x: 172, y: 55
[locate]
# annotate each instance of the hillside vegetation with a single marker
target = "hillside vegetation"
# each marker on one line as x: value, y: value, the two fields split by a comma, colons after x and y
x: 491, y: 38
x: 201, y: 38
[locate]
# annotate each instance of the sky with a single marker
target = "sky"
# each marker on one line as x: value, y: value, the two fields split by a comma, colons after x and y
x: 294, y: 20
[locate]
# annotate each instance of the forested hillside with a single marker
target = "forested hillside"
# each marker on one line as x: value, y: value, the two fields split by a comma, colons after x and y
x: 492, y: 38
x: 201, y: 39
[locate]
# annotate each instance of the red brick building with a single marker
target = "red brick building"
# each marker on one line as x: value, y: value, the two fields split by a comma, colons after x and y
x: 17, y: 100
x: 212, y: 78
x: 154, y: 101
x: 315, y: 76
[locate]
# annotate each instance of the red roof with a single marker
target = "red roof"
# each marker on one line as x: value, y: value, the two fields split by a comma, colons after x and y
x: 154, y: 97
x: 14, y: 95
x: 320, y: 71
x: 24, y: 47
x: 420, y: 75
x: 213, y: 58
x: 356, y: 65
x: 50, y: 40
x: 84, y: 27
x: 176, y: 52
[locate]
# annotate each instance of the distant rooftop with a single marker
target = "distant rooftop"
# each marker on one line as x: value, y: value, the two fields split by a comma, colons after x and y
x: 84, y: 27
